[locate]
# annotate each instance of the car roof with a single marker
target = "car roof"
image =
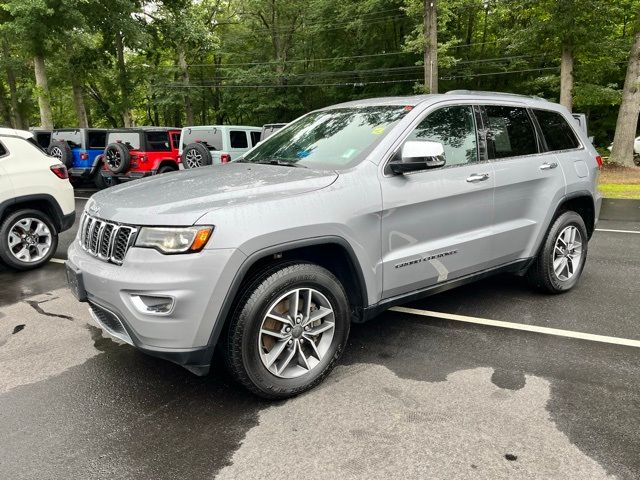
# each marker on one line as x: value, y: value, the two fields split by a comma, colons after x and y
x: 12, y: 132
x: 243, y: 127
x: 414, y: 100
x: 143, y: 129
x: 79, y: 129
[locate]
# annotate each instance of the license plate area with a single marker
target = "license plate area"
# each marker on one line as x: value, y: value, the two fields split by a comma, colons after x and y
x: 75, y: 282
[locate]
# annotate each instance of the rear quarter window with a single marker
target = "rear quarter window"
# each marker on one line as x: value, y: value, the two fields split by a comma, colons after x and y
x: 158, y: 141
x: 238, y: 139
x: 97, y: 140
x: 255, y: 138
x: 556, y: 130
x: 72, y: 137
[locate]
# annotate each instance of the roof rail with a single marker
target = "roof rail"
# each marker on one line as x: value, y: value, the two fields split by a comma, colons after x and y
x: 480, y: 92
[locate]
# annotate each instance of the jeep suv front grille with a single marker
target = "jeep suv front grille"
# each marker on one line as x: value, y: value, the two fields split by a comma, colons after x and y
x: 106, y: 240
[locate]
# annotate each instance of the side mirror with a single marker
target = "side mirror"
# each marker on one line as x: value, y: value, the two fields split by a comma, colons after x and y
x: 418, y: 155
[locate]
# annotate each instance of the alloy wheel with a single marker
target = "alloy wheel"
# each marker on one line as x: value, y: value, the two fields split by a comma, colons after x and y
x: 30, y: 240
x: 193, y: 159
x: 296, y: 333
x: 567, y: 253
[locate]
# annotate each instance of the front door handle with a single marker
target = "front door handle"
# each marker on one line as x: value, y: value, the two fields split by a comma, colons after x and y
x: 477, y: 177
x: 548, y: 166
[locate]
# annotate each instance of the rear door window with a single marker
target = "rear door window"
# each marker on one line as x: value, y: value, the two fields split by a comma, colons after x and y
x: 210, y: 137
x: 255, y: 138
x: 72, y: 137
x: 158, y: 141
x: 238, y: 139
x: 97, y: 140
x: 131, y: 139
x: 557, y: 132
x: 510, y: 132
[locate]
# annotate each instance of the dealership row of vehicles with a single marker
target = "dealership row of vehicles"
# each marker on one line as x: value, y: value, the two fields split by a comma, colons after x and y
x: 110, y: 156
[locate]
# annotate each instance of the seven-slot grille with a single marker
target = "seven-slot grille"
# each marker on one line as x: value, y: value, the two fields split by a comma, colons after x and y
x: 106, y: 240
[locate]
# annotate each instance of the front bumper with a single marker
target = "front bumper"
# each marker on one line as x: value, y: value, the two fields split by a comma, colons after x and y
x: 197, y: 283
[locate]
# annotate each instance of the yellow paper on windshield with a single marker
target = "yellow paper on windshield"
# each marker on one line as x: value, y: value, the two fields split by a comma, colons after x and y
x: 377, y: 130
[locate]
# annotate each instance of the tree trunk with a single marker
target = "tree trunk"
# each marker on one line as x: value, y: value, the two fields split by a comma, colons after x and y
x: 78, y: 102
x: 5, y: 112
x: 188, y: 108
x: 430, y: 46
x: 46, y: 116
x: 16, y: 116
x: 627, y: 123
x: 566, y: 75
x: 123, y: 79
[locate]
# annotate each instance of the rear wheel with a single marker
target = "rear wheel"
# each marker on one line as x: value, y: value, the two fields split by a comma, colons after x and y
x: 288, y: 330
x: 28, y: 239
x: 166, y: 169
x: 560, y: 262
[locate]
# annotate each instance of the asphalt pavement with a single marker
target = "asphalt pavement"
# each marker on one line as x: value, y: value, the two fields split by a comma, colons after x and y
x: 413, y: 396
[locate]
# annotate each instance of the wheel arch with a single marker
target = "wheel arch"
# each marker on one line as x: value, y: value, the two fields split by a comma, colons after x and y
x: 168, y: 162
x: 331, y: 252
x: 583, y: 204
x: 42, y: 202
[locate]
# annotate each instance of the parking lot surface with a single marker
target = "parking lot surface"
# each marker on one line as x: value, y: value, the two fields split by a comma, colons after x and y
x: 413, y: 397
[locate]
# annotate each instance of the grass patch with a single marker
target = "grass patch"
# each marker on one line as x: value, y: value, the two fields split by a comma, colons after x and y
x: 620, y: 182
x: 620, y: 190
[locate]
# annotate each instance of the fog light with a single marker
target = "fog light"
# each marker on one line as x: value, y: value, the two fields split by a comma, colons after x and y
x: 153, y: 305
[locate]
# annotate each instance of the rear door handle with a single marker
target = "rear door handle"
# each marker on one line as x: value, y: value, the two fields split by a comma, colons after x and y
x: 548, y: 166
x: 477, y: 177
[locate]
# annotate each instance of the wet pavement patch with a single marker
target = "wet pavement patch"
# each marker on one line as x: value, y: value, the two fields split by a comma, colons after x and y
x: 101, y: 342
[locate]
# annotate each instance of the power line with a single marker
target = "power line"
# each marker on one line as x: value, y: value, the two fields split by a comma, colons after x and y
x: 498, y: 73
x: 342, y: 84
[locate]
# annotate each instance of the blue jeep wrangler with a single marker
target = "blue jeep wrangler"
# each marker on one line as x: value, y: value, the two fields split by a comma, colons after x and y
x: 80, y: 149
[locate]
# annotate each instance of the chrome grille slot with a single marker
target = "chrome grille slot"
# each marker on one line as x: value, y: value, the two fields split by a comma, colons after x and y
x: 106, y: 240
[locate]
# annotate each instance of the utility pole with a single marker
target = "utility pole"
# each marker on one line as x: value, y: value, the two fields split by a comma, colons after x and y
x: 430, y: 46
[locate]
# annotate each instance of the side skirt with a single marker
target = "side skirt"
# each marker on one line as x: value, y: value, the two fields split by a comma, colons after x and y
x: 518, y: 267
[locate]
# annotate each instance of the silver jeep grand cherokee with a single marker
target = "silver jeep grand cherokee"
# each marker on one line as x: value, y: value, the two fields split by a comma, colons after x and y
x: 341, y: 214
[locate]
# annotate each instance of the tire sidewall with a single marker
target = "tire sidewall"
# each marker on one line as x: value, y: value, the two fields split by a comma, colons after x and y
x: 254, y: 310
x: 563, y: 221
x: 67, y: 154
x: 7, y: 223
x: 125, y: 157
x: 204, y: 152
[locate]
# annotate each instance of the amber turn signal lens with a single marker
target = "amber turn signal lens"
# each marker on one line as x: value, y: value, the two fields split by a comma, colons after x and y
x: 201, y: 239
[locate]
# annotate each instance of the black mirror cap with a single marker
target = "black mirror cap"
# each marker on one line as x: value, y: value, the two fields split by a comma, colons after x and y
x: 399, y: 167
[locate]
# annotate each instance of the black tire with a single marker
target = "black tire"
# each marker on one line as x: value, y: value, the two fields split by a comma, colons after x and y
x: 166, y: 169
x: 541, y: 274
x: 241, y: 350
x: 201, y: 156
x: 62, y: 151
x: 99, y: 181
x: 117, y: 157
x: 5, y: 228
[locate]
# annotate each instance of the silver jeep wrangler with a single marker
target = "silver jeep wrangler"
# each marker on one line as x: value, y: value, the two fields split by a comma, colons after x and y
x: 338, y: 216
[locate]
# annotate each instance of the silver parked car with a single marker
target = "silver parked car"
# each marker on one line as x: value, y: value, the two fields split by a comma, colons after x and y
x: 215, y: 144
x: 345, y: 212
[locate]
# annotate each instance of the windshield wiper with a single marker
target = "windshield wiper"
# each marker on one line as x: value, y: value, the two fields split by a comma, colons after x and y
x: 279, y: 162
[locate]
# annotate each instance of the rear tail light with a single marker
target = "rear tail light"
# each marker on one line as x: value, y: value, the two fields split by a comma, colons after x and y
x: 599, y: 161
x: 84, y: 156
x: 60, y: 171
x: 225, y: 158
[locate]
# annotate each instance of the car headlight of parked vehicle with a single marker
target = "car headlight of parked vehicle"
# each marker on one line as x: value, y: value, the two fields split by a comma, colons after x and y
x: 170, y: 240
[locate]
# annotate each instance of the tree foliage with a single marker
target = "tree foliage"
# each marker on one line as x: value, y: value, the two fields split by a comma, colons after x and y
x: 173, y: 62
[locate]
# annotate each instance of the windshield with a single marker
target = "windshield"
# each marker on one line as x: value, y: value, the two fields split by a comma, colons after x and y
x: 329, y: 139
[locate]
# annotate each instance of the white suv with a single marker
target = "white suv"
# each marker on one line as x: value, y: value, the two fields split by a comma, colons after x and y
x: 36, y: 201
x: 214, y: 144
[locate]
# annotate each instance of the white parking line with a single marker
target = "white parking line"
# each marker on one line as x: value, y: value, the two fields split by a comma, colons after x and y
x: 616, y: 231
x: 81, y: 198
x: 520, y: 326
x: 57, y: 260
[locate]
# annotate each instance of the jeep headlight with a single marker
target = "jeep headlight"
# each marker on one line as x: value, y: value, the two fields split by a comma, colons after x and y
x: 174, y: 240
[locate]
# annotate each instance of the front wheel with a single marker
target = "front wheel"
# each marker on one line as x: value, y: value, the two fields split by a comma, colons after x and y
x: 288, y: 330
x: 28, y: 239
x: 561, y: 259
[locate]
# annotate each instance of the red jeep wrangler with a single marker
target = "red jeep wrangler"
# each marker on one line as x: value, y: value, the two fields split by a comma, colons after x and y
x: 139, y: 152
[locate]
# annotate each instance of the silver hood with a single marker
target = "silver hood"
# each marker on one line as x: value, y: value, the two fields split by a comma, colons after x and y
x: 181, y: 198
